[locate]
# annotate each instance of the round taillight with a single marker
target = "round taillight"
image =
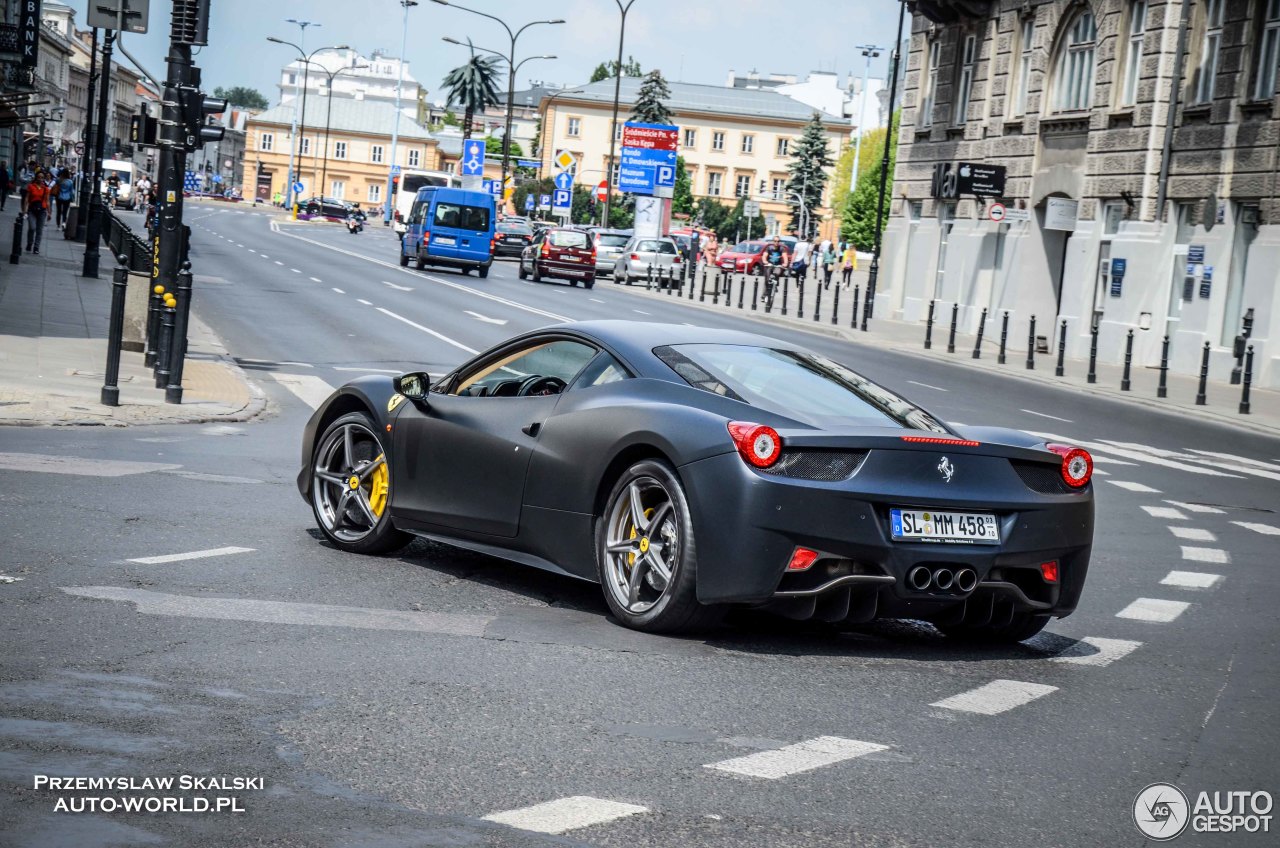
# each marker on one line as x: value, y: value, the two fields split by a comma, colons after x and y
x: 758, y: 444
x: 1077, y: 464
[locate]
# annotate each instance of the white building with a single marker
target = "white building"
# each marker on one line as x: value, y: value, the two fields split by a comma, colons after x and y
x: 352, y: 75
x: 822, y: 90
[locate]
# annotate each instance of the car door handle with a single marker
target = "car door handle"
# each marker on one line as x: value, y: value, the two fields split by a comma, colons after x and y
x: 531, y: 429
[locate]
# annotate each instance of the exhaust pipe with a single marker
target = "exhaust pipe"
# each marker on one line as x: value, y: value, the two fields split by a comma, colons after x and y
x: 966, y: 580
x: 919, y: 578
x: 943, y: 578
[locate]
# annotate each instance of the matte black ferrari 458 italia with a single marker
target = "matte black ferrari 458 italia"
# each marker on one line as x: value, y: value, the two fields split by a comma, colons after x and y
x: 688, y: 469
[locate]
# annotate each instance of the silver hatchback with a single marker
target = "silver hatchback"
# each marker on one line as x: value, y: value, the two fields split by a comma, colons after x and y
x: 609, y: 245
x: 642, y: 253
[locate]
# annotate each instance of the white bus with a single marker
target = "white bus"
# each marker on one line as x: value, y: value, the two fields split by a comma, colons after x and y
x: 410, y: 182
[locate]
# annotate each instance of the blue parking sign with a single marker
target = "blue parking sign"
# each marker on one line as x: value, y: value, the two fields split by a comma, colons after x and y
x: 563, y: 199
x: 528, y: 203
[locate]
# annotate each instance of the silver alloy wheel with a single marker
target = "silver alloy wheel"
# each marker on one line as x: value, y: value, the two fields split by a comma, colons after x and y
x: 642, y: 545
x: 348, y: 482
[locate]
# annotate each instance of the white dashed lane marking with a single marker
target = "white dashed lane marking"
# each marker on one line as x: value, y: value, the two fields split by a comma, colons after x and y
x: 1190, y: 579
x: 927, y: 386
x: 1091, y: 650
x: 1134, y: 487
x: 1195, y: 507
x: 396, y: 287
x: 1214, y: 555
x: 441, y: 336
x: 1264, y: 529
x: 1043, y: 415
x: 339, y: 291
x: 316, y: 280
x: 1193, y: 534
x: 212, y: 552
x: 800, y: 757
x: 1153, y: 609
x: 565, y: 814
x: 1168, y: 513
x: 995, y: 697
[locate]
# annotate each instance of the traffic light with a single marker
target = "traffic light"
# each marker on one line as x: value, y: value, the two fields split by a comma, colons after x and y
x: 395, y: 184
x: 196, y: 105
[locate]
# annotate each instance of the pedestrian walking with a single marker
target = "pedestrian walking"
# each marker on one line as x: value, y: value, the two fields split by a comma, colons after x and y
x: 829, y: 259
x: 35, y: 203
x: 710, y: 250
x: 849, y: 262
x: 66, y: 188
x: 800, y: 256
x: 6, y: 183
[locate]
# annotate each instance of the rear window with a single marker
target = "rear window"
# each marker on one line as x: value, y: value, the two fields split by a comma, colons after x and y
x: 515, y: 227
x: 656, y: 246
x: 609, y: 240
x: 752, y: 249
x: 567, y: 238
x: 797, y: 385
x: 461, y: 217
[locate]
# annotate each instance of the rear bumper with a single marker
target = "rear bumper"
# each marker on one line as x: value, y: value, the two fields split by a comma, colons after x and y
x: 749, y: 524
x: 567, y: 272
x: 502, y: 249
x: 453, y: 261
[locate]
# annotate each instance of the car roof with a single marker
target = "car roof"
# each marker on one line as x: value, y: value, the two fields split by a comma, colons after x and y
x: 634, y: 341
x: 460, y: 194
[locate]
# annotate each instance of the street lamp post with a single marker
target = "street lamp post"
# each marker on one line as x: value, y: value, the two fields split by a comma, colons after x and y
x: 871, y: 52
x: 328, y: 115
x: 874, y: 274
x: 613, y: 134
x: 395, y: 129
x: 512, y: 67
x: 293, y: 130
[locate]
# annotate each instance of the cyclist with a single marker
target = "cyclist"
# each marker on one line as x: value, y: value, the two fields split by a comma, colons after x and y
x: 775, y: 260
x: 113, y: 188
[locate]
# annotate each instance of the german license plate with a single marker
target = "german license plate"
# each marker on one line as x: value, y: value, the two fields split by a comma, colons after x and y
x: 445, y: 240
x: 567, y: 258
x: 513, y: 239
x: 926, y: 525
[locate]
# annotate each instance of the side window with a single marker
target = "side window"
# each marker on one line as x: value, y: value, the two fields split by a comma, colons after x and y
x: 602, y: 370
x: 417, y: 213
x: 447, y: 215
x: 474, y: 218
x: 515, y: 373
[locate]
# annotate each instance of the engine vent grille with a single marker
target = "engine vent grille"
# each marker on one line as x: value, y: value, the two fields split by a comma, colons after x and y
x: 1042, y: 477
x: 827, y: 466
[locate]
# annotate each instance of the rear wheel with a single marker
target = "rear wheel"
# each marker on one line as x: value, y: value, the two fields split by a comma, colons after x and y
x: 419, y: 264
x: 522, y: 273
x: 537, y: 277
x: 646, y: 556
x: 404, y: 260
x: 483, y: 272
x: 1023, y: 626
x: 591, y: 283
x: 351, y: 488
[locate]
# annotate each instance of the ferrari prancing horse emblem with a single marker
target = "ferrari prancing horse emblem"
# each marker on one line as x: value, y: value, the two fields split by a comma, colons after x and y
x: 948, y: 470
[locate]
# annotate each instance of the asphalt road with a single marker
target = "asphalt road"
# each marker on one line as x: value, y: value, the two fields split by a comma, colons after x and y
x: 399, y: 701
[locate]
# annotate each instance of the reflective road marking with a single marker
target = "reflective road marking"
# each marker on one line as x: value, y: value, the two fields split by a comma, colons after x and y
x: 927, y: 386
x: 565, y: 814
x: 1194, y: 507
x: 1153, y: 609
x: 1264, y: 529
x: 46, y: 464
x: 1096, y: 651
x: 793, y: 759
x: 441, y: 336
x: 212, y: 552
x: 310, y: 390
x: 1193, y: 534
x: 1045, y: 415
x: 1190, y: 579
x: 1166, y: 512
x: 995, y: 697
x: 1134, y: 487
x: 1214, y: 555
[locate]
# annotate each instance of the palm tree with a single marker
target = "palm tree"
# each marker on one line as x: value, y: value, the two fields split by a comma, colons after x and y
x: 474, y: 87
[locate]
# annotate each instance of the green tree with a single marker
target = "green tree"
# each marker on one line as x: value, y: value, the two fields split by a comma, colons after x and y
x: 651, y: 107
x: 243, y: 96
x: 711, y: 214
x: 450, y: 119
x: 493, y: 147
x: 858, y: 215
x: 682, y: 195
x: 608, y: 70
x: 474, y: 86
x: 868, y: 159
x: 810, y: 159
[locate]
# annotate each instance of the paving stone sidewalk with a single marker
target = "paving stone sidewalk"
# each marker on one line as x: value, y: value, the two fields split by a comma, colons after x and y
x: 53, y: 344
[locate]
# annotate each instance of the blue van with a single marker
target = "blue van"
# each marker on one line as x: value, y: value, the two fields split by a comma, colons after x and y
x: 452, y: 227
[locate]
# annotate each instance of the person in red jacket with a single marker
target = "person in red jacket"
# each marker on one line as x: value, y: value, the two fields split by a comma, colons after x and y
x: 35, y: 203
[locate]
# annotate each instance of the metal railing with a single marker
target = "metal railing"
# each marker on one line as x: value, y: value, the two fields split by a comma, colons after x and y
x: 117, y: 235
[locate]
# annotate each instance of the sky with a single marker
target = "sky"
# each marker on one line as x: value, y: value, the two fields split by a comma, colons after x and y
x: 688, y: 40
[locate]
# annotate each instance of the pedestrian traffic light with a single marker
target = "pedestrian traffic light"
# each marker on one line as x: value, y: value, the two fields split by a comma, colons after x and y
x: 196, y: 105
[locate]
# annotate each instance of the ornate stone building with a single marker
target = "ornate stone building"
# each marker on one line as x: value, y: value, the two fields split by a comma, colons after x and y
x: 1110, y: 214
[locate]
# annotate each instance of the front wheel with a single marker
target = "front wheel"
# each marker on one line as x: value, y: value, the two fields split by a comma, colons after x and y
x: 351, y: 488
x: 646, y: 556
x: 404, y: 260
x: 537, y: 276
x: 522, y: 273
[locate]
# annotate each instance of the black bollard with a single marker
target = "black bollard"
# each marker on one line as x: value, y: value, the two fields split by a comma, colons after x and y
x: 1062, y: 348
x: 755, y: 292
x: 648, y: 278
x: 702, y: 290
x: 786, y: 284
x: 693, y: 279
x: 715, y: 291
x: 928, y: 324
x: 16, y: 253
x: 1162, y: 390
x: 982, y: 328
x: 951, y: 335
x: 673, y: 280
x: 1201, y: 400
x: 1031, y: 345
x: 115, y: 333
x: 742, y: 288
x: 1093, y: 353
x: 154, y: 304
x: 853, y: 318
x: 817, y: 300
x: 770, y: 287
x: 166, y: 343
x: 1248, y: 380
x: 835, y: 305
x: 1128, y: 361
x: 1004, y: 337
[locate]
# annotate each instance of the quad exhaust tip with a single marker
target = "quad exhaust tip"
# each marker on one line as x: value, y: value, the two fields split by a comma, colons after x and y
x: 964, y: 580
x: 919, y: 578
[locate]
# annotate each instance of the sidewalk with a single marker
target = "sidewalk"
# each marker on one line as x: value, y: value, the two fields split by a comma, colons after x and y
x: 1222, y: 399
x: 53, y: 343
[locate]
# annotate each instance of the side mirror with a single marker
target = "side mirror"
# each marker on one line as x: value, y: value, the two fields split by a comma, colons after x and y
x: 413, y: 385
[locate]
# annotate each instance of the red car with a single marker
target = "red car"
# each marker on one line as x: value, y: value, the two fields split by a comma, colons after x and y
x: 744, y: 256
x: 564, y: 252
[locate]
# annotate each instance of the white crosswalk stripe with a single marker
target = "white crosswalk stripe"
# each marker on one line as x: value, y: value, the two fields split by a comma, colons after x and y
x: 1193, y: 534
x: 793, y: 759
x: 1264, y: 529
x: 1153, y: 609
x: 1242, y: 460
x: 1190, y: 579
x: 1197, y: 554
x: 1134, y: 487
x: 995, y: 697
x: 1195, y: 507
x: 310, y: 390
x: 565, y: 814
x: 1091, y: 650
x: 1166, y: 512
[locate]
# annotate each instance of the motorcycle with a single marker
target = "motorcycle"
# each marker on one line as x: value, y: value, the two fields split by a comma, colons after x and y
x: 354, y: 224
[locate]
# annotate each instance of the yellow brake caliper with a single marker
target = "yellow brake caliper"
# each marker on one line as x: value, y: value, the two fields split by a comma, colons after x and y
x: 378, y: 487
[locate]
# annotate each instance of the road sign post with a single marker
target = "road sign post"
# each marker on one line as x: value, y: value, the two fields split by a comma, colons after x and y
x: 473, y: 162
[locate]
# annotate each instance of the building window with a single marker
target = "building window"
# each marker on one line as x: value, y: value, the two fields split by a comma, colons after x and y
x: 925, y: 118
x: 946, y: 220
x: 779, y: 188
x: 293, y: 79
x: 713, y: 184
x: 266, y: 141
x: 617, y: 131
x: 1023, y: 79
x: 575, y: 127
x: 748, y: 143
x: 1133, y: 51
x: 915, y: 211
x: 784, y: 147
x: 337, y: 189
x: 375, y: 154
x: 1112, y: 215
x: 306, y: 147
x: 1268, y: 53
x: 1073, y: 80
x: 339, y: 150
x: 742, y: 186
x: 965, y: 82
x: 415, y: 158
x: 1208, y: 68
x: 691, y: 136
x: 717, y: 141
x: 375, y: 192
x: 615, y: 172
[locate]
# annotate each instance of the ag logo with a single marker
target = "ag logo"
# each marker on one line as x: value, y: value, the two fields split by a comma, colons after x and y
x: 946, y: 469
x: 1161, y: 811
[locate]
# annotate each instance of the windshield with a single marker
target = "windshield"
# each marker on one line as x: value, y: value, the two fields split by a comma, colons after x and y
x: 794, y: 384
x: 611, y: 240
x: 745, y: 247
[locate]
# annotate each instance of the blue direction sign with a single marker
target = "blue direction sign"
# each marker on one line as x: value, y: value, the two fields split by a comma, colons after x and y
x: 528, y: 163
x: 563, y: 199
x: 299, y: 188
x: 473, y: 158
x: 528, y: 203
x: 564, y: 181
